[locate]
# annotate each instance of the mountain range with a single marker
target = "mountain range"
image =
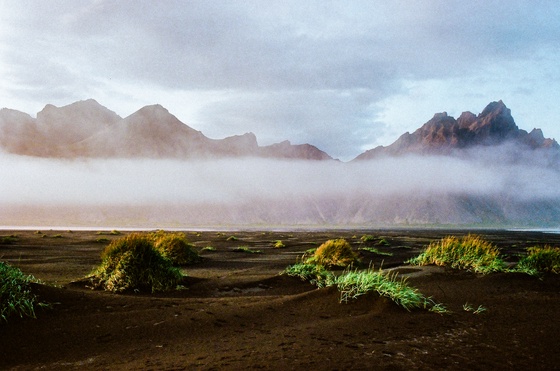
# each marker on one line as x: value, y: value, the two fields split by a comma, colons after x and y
x: 476, y: 170
x: 88, y: 129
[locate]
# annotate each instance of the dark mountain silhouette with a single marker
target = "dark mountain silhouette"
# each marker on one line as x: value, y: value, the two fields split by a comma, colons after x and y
x: 87, y: 129
x: 445, y: 135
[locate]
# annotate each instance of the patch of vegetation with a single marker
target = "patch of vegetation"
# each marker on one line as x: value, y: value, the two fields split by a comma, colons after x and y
x: 16, y: 297
x: 208, y: 248
x: 375, y: 251
x: 231, y: 238
x: 278, y: 244
x: 246, y: 249
x: 469, y: 308
x: 317, y: 275
x: 469, y: 252
x: 334, y: 253
x: 383, y: 242
x: 354, y: 283
x: 8, y: 240
x: 175, y: 247
x: 102, y: 240
x: 132, y: 263
x: 370, y: 238
x: 367, y: 238
x: 540, y: 260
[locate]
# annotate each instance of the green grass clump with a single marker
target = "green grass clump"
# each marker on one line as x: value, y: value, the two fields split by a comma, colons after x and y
x: 247, y: 250
x: 354, y: 283
x: 367, y: 238
x: 540, y: 260
x: 375, y: 251
x: 132, y: 263
x: 175, y: 247
x: 278, y: 244
x: 316, y: 274
x: 16, y: 297
x: 334, y: 253
x: 469, y: 252
x: 469, y: 308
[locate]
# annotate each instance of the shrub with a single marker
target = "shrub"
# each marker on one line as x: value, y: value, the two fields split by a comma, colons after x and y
x: 132, y: 263
x: 15, y: 293
x: 468, y: 252
x: 334, y: 253
x: 540, y: 260
x: 175, y: 247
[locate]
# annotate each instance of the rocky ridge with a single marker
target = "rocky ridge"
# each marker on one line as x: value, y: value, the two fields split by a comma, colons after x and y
x: 445, y: 135
x: 87, y: 129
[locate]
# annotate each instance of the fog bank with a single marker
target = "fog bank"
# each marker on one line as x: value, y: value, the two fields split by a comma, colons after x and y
x: 158, y: 193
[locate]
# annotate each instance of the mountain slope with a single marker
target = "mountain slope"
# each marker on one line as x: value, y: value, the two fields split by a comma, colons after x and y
x: 445, y: 135
x: 87, y: 129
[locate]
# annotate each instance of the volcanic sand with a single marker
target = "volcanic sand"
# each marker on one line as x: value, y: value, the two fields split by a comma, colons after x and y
x: 237, y: 312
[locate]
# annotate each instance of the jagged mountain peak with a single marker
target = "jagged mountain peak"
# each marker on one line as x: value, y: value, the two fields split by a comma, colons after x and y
x: 443, y: 134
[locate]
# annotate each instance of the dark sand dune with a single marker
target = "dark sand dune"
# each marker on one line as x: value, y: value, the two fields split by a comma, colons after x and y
x: 238, y: 313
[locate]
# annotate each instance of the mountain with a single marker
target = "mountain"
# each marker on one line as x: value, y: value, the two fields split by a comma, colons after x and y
x: 87, y: 129
x: 445, y: 135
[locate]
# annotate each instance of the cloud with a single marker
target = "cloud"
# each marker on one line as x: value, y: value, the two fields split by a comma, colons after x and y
x: 249, y: 191
x: 288, y: 65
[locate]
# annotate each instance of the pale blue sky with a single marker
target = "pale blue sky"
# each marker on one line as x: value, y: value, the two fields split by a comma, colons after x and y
x: 345, y: 76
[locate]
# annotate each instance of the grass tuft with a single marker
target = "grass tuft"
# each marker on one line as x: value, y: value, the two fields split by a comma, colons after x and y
x: 132, y: 263
x: 540, y: 260
x: 317, y: 275
x: 354, y: 283
x: 469, y: 252
x: 278, y: 244
x: 247, y: 250
x: 375, y: 251
x: 16, y: 297
x: 334, y: 253
x: 175, y: 247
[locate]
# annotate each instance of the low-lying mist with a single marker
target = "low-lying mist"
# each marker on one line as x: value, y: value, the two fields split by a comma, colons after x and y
x: 266, y: 192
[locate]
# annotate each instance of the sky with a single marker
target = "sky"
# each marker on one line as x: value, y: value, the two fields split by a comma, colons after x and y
x: 345, y: 76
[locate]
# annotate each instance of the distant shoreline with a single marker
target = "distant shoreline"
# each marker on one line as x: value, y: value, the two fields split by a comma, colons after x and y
x: 293, y: 228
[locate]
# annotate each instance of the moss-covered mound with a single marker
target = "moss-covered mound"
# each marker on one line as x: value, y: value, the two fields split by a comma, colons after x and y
x: 132, y: 263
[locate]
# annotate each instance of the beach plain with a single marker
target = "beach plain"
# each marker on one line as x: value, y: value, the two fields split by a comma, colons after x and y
x: 236, y: 311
